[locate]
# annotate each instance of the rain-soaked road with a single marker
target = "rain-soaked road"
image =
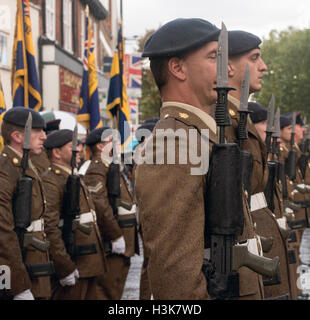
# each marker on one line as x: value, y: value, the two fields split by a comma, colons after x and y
x: 131, y: 291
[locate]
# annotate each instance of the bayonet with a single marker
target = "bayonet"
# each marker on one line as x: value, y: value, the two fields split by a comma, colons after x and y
x: 276, y: 130
x: 245, y: 89
x: 26, y: 146
x: 270, y: 114
x: 243, y: 110
x: 74, y: 148
x: 270, y: 121
x: 293, y: 122
x: 222, y: 58
x: 221, y: 113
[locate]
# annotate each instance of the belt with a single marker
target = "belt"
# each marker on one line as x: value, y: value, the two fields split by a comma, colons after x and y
x: 258, y: 201
x: 83, y: 218
x: 36, y: 225
x: 122, y: 211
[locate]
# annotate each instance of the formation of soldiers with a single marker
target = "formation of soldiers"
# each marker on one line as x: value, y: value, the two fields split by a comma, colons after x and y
x: 69, y: 226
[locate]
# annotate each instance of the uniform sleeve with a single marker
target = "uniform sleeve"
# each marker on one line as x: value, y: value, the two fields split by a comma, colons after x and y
x: 96, y: 183
x: 62, y: 260
x: 10, y: 252
x: 171, y: 207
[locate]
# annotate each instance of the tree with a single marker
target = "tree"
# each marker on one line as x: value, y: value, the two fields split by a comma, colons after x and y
x: 286, y: 54
x: 150, y: 102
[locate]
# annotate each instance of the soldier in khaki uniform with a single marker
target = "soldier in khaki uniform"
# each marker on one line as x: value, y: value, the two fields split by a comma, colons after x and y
x: 119, y: 232
x: 76, y: 276
x: 23, y: 287
x: 243, y: 50
x: 170, y: 198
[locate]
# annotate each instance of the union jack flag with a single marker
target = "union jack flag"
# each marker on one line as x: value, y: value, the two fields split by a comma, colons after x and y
x: 134, y: 74
x: 133, y: 104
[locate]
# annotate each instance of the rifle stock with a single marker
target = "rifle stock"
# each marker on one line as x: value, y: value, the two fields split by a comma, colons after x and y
x: 259, y: 264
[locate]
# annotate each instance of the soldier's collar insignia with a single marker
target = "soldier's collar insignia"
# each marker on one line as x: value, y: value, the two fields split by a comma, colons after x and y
x: 166, y: 115
x: 232, y: 112
x: 57, y: 171
x: 15, y: 160
x: 4, y: 154
x: 183, y: 115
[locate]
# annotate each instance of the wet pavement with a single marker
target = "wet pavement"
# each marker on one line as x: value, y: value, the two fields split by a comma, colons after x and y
x: 131, y: 290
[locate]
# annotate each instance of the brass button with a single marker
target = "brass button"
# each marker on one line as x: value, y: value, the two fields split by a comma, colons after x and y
x: 183, y: 115
x: 15, y: 160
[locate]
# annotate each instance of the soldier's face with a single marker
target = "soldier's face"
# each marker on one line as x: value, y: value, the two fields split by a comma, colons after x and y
x: 261, y: 129
x: 286, y: 133
x: 257, y: 68
x: 65, y: 153
x: 299, y: 133
x: 37, y: 138
x: 200, y: 71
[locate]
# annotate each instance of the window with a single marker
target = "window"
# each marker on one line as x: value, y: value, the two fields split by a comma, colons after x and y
x: 67, y: 24
x: 3, y: 49
x: 50, y: 19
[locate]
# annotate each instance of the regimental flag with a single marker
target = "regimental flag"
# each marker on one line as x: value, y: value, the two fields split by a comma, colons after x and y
x: 25, y: 83
x: 117, y: 104
x: 89, y: 112
x: 134, y: 75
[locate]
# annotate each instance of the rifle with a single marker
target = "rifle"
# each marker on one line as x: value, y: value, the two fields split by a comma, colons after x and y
x: 272, y: 164
x: 224, y: 202
x: 21, y: 207
x: 71, y: 209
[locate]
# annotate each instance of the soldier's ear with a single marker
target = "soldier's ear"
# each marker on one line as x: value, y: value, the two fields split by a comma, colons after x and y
x: 56, y: 153
x: 17, y: 137
x: 176, y: 68
x: 231, y: 69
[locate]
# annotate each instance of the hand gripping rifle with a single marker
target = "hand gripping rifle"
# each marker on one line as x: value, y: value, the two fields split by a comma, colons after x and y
x: 246, y: 157
x: 223, y: 201
x: 22, y: 204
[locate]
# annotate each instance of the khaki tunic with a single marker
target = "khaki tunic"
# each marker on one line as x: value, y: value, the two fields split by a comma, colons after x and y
x: 113, y: 281
x: 171, y: 211
x: 266, y: 224
x: 41, y: 162
x: 89, y: 266
x: 10, y: 254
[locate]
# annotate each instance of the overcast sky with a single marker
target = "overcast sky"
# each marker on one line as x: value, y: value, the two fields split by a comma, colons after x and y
x: 258, y: 17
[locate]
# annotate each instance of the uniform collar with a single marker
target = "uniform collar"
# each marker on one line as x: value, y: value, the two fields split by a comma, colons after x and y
x: 63, y: 168
x: 208, y: 120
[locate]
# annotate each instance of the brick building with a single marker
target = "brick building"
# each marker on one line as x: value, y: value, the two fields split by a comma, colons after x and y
x: 58, y: 30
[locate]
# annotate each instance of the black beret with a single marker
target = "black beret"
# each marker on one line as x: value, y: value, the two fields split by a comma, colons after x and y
x: 285, y: 121
x: 58, y: 138
x: 259, y: 113
x: 298, y: 117
x: 178, y: 36
x: 241, y: 41
x: 95, y: 136
x: 19, y: 116
x: 52, y: 126
x: 149, y: 124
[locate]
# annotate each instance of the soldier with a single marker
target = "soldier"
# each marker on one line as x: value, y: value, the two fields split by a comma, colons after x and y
x: 78, y: 263
x: 21, y: 255
x: 183, y: 56
x: 142, y: 137
x: 119, y: 230
x: 244, y: 50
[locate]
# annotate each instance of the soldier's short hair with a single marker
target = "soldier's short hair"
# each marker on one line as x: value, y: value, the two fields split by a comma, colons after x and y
x: 7, y: 129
